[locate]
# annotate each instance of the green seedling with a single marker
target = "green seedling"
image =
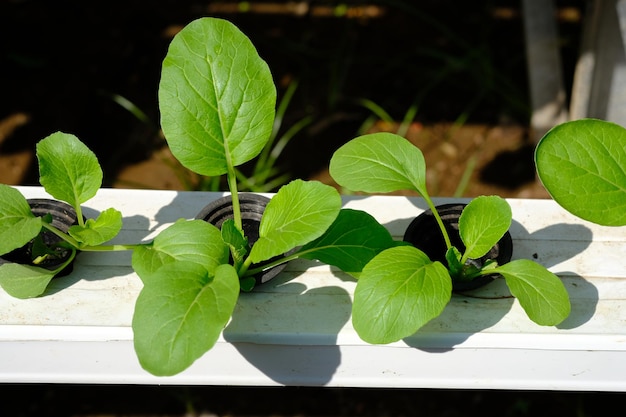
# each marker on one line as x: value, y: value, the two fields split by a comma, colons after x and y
x: 401, y: 289
x: 217, y: 100
x: 69, y: 172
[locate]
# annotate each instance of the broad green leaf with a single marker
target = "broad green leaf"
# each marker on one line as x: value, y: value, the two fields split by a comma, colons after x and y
x: 482, y: 224
x: 180, y: 314
x: 541, y: 294
x: 399, y: 291
x: 353, y: 239
x: 96, y: 232
x: 68, y: 170
x: 379, y: 163
x: 24, y: 281
x: 195, y: 241
x: 216, y: 96
x: 582, y: 164
x: 300, y: 212
x: 18, y: 225
x: 236, y: 241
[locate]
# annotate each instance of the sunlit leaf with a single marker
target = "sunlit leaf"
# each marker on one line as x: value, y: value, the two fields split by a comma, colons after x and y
x: 24, y: 281
x: 300, y: 212
x: 482, y: 224
x: 582, y: 164
x: 68, y: 169
x: 195, y: 241
x: 379, y: 163
x: 97, y: 231
x: 399, y: 291
x: 541, y: 293
x: 18, y: 225
x: 180, y: 313
x: 216, y: 96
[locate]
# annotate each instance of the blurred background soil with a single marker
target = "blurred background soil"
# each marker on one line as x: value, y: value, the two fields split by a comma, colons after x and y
x: 449, y: 75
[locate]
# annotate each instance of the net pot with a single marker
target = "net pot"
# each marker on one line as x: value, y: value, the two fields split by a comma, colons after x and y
x: 424, y: 233
x: 252, y: 207
x: 63, y: 216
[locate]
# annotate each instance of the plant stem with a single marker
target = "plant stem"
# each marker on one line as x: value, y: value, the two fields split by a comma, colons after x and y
x: 431, y: 205
x: 244, y: 268
x: 232, y: 185
x: 67, y: 238
x: 100, y: 248
x: 106, y: 248
x: 254, y: 271
x: 79, y: 214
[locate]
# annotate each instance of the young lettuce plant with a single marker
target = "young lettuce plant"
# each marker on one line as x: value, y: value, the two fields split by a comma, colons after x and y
x: 401, y: 289
x: 217, y: 100
x: 69, y: 172
x: 582, y: 164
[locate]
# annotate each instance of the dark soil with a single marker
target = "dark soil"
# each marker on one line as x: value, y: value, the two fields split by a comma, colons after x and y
x: 65, y: 62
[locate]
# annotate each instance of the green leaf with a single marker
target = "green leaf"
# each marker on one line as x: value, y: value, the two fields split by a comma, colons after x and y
x: 482, y: 224
x: 398, y: 292
x: 453, y: 257
x: 216, y: 97
x: 353, y: 239
x: 68, y: 170
x: 236, y: 241
x: 18, y: 225
x: 180, y: 314
x: 541, y: 294
x: 195, y: 241
x: 24, y: 281
x: 582, y: 164
x: 379, y: 163
x: 300, y: 212
x: 96, y: 232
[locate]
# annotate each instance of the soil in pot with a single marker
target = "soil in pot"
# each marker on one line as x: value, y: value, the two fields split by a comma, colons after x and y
x: 424, y: 233
x: 252, y: 208
x: 63, y: 216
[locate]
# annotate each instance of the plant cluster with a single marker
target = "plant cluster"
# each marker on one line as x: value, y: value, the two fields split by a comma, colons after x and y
x: 217, y: 101
x: 401, y: 289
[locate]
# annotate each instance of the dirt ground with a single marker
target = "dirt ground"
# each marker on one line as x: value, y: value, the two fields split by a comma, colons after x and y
x: 92, y: 69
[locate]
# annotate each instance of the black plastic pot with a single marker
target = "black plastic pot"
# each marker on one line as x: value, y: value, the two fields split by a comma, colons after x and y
x: 424, y: 233
x: 252, y: 208
x: 63, y: 216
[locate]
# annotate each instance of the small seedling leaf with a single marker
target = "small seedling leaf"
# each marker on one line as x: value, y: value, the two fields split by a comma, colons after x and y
x: 18, y: 225
x: 195, y: 241
x: 300, y: 212
x: 399, y: 291
x: 582, y: 164
x: 68, y: 169
x: 482, y: 224
x: 236, y: 241
x: 216, y: 96
x: 97, y: 231
x: 353, y: 239
x: 379, y: 163
x: 24, y: 281
x: 180, y: 314
x: 541, y: 293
